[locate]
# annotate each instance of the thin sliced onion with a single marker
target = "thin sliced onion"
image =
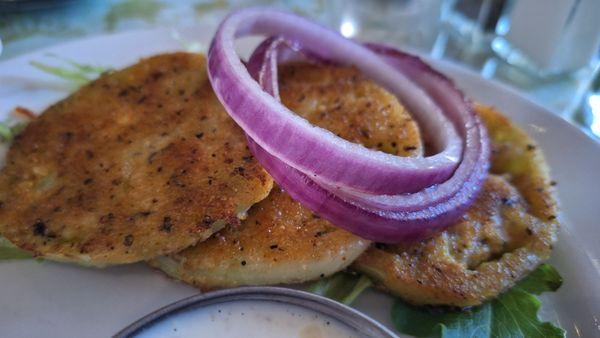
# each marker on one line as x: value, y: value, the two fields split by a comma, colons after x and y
x: 352, y: 213
x: 384, y: 208
x: 323, y: 155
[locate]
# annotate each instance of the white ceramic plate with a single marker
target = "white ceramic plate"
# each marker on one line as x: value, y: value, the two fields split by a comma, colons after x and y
x: 59, y: 300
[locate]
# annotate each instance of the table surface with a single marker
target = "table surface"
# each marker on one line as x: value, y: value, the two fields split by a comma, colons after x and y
x: 48, y: 22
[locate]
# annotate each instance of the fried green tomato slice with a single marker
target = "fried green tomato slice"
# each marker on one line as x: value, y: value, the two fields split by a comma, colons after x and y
x: 139, y: 163
x: 282, y: 241
x: 507, y: 232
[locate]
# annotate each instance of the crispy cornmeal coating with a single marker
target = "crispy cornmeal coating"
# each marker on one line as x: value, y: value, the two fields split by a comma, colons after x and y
x: 508, y: 232
x: 282, y: 241
x: 139, y: 163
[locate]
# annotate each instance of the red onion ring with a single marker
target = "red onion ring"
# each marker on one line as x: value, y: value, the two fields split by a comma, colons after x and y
x: 384, y: 226
x: 474, y: 166
x: 323, y: 155
x: 380, y: 215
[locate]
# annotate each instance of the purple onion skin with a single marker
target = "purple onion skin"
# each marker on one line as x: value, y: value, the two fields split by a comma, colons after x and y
x: 379, y: 217
x: 323, y: 154
x: 383, y: 228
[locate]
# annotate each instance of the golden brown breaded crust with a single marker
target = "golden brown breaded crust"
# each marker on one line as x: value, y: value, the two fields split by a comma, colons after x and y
x: 508, y: 232
x: 139, y: 163
x: 282, y: 241
x: 343, y: 101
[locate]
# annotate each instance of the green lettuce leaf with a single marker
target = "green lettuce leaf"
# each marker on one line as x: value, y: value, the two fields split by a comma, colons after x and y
x: 82, y: 67
x: 9, y: 251
x: 8, y: 133
x: 512, y: 314
x: 75, y: 72
x: 343, y: 287
x: 543, y: 279
x: 70, y: 74
x: 5, y: 132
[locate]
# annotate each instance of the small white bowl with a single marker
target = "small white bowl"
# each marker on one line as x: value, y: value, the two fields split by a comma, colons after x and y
x: 354, y: 321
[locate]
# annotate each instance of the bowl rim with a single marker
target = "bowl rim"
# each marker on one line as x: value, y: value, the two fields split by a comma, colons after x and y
x: 346, y: 315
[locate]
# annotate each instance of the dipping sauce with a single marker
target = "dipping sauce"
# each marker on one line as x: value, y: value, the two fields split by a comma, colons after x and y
x: 249, y: 319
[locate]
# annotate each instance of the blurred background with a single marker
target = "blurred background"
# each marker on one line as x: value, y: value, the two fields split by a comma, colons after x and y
x: 549, y: 50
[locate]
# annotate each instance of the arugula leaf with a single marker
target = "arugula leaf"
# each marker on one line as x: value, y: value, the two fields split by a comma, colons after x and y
x: 515, y: 315
x: 8, y: 133
x: 74, y: 75
x: 543, y: 279
x: 78, y: 73
x: 10, y: 251
x: 5, y: 132
x: 512, y: 314
x: 343, y: 287
x: 421, y: 322
x: 17, y: 128
x: 82, y: 67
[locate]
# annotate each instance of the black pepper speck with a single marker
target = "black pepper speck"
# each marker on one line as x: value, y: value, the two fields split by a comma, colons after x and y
x: 128, y: 240
x: 39, y: 228
x: 167, y: 224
